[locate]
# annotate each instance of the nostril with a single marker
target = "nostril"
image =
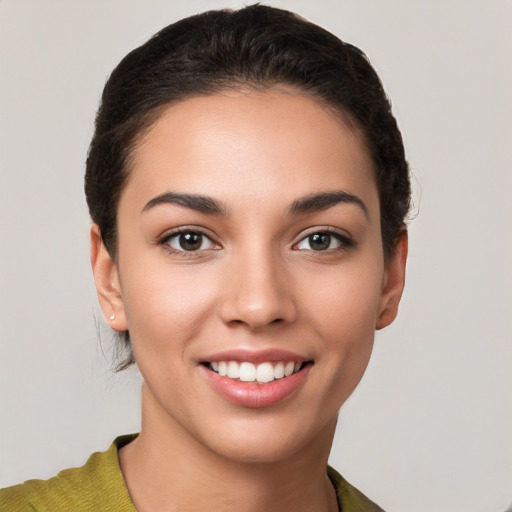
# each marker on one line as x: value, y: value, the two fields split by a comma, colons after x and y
x: 257, y: 305
x: 255, y: 324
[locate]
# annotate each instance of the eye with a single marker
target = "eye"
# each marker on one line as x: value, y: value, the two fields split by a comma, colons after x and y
x: 189, y: 241
x: 324, y: 241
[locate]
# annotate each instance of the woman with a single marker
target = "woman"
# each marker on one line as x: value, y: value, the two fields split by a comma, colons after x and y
x: 248, y: 190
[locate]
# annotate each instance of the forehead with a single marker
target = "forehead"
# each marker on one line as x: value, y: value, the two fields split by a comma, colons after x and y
x: 246, y: 145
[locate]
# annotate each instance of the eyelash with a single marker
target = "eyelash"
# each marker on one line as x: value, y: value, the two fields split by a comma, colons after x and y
x: 344, y: 242
x: 166, y: 242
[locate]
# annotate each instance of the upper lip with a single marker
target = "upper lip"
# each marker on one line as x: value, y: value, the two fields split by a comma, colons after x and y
x: 255, y: 356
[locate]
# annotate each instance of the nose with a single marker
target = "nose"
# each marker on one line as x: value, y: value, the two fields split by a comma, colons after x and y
x: 258, y: 291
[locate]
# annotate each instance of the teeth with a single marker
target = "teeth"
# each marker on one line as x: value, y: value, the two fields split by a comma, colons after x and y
x: 261, y: 373
x: 247, y: 372
x: 233, y: 370
x: 223, y: 368
x: 279, y: 371
x: 265, y: 372
x: 288, y: 369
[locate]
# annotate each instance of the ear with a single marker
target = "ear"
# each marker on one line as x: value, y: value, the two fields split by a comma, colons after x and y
x: 107, y: 282
x: 393, y: 283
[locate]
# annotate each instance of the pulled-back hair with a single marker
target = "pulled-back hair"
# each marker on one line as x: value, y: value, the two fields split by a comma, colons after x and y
x: 254, y: 47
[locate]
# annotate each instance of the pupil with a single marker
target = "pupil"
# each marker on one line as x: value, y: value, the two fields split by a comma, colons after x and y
x: 190, y: 241
x: 320, y: 241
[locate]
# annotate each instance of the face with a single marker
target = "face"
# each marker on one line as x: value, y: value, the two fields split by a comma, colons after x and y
x: 250, y: 271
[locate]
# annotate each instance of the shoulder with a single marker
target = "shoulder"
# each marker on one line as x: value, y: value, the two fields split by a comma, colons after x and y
x: 98, y: 485
x: 349, y: 498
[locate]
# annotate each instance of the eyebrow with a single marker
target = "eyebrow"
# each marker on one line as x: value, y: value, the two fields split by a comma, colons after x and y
x: 324, y: 200
x: 309, y: 204
x: 198, y: 203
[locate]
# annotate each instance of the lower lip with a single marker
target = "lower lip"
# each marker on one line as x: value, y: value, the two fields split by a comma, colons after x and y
x: 250, y: 394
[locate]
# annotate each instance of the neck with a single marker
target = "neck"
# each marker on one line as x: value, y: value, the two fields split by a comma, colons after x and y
x: 166, y: 466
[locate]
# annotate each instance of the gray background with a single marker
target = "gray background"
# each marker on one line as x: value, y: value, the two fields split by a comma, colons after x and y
x: 430, y: 427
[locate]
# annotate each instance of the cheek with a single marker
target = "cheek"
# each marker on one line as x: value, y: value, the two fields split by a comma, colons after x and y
x: 166, y: 305
x: 344, y: 315
x: 346, y: 302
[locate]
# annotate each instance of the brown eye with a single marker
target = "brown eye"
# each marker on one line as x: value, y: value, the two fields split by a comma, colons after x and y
x: 189, y: 241
x: 319, y: 241
x: 324, y: 241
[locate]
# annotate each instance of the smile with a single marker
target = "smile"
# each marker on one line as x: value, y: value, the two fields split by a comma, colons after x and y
x: 261, y: 378
x: 262, y: 373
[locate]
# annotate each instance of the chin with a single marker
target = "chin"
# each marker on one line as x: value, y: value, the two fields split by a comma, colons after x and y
x: 268, y: 451
x: 265, y: 442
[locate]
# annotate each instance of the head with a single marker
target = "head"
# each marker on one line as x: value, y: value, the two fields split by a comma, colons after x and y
x: 232, y: 76
x: 258, y: 48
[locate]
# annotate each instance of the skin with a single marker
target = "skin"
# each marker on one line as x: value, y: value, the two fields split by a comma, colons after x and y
x: 257, y: 284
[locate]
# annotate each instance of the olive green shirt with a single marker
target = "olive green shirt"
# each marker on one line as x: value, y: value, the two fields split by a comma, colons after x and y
x: 99, y: 487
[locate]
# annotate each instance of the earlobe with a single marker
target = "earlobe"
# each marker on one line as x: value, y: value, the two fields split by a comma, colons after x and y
x: 393, y: 283
x: 107, y: 282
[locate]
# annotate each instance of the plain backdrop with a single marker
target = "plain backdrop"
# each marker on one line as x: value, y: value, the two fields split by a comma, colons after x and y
x: 430, y: 426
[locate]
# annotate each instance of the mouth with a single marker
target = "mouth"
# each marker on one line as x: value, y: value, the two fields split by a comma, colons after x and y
x: 262, y: 373
x: 256, y: 379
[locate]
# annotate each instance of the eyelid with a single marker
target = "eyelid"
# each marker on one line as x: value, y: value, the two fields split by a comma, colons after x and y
x: 163, y: 240
x: 186, y: 228
x: 346, y: 241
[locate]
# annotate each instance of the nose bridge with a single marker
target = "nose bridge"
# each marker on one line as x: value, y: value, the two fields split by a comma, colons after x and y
x: 258, y: 291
